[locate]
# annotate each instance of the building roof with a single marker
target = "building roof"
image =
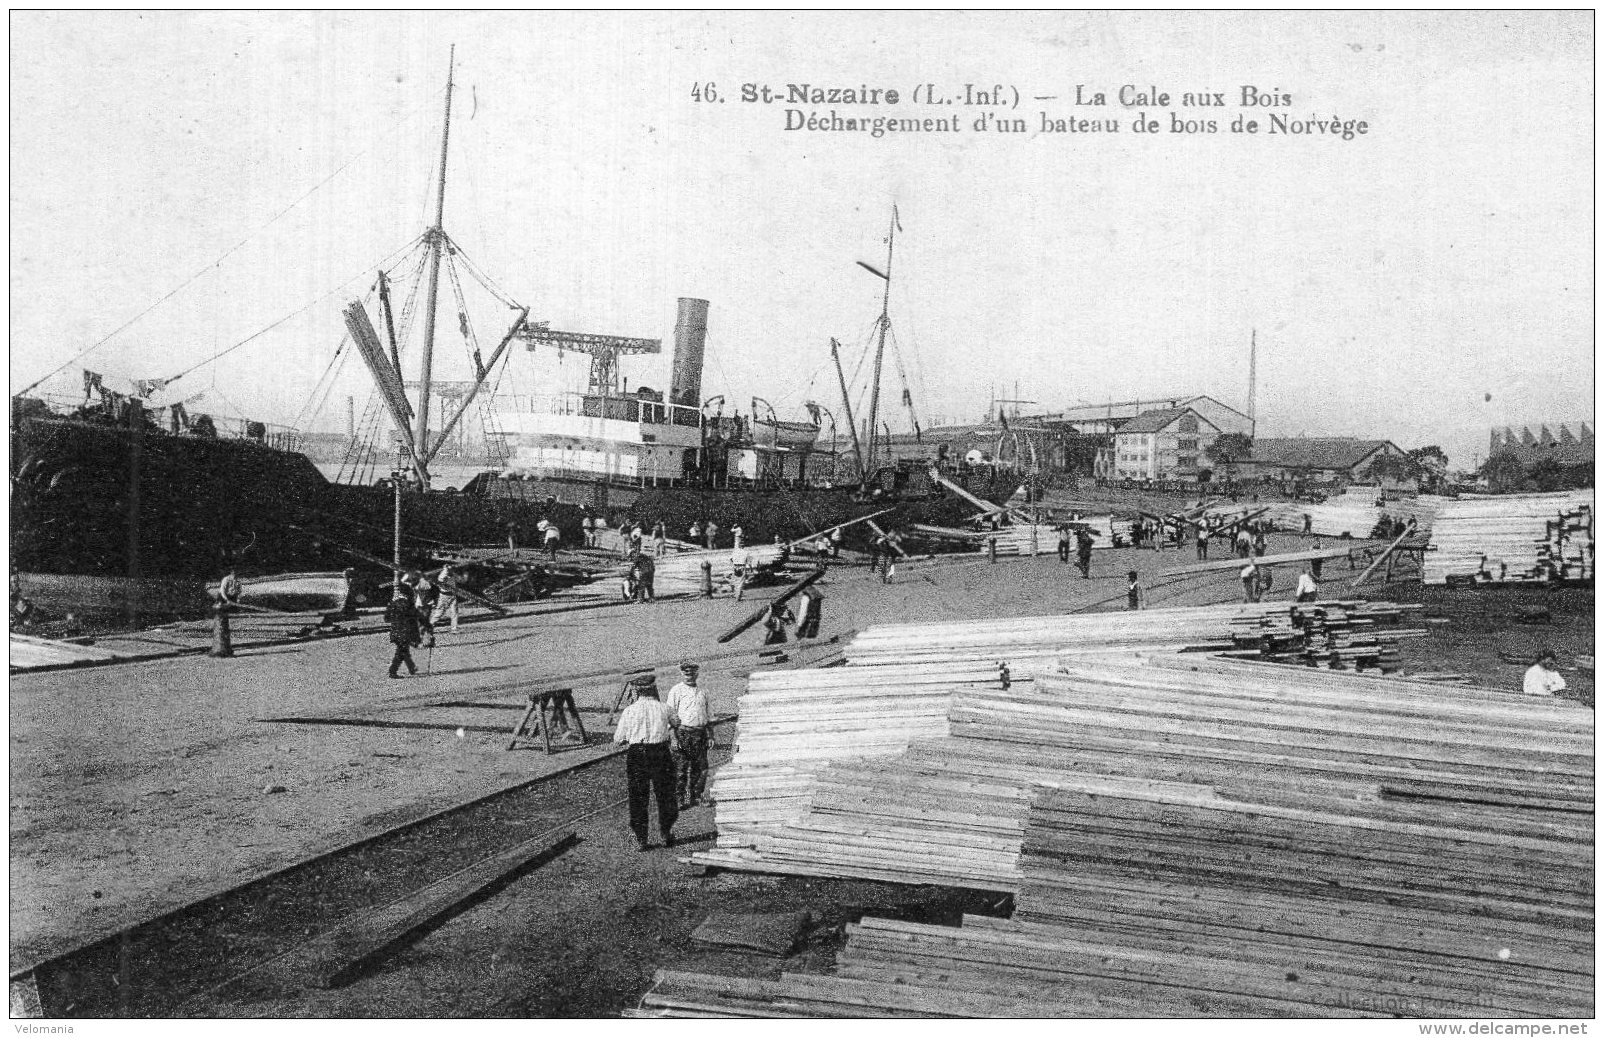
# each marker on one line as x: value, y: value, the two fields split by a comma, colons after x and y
x: 1129, y: 409
x: 1313, y: 452
x: 1153, y: 421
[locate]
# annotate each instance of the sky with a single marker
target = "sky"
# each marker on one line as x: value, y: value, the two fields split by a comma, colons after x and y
x: 243, y: 173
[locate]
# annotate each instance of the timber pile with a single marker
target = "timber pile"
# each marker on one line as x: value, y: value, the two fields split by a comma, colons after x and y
x: 1017, y: 539
x: 1517, y: 534
x: 1207, y: 837
x: 1337, y: 635
x: 1029, y: 644
x: 794, y: 723
x: 681, y: 572
x: 1353, y: 512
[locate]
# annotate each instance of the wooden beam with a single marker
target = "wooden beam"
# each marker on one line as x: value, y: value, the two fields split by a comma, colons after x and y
x: 783, y: 597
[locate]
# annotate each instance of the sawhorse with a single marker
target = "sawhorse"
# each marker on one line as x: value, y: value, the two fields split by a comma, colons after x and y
x: 626, y: 696
x: 557, y: 701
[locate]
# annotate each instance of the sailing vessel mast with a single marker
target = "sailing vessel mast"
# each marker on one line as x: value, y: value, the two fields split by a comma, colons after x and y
x: 880, y: 347
x: 857, y: 448
x: 437, y: 237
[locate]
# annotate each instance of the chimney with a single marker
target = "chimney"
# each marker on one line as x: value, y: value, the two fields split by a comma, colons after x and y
x: 690, y: 342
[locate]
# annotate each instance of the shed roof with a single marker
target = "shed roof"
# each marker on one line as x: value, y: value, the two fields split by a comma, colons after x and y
x: 1312, y: 452
x: 1154, y: 421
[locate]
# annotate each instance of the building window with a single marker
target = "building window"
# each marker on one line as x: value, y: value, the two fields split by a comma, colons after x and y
x: 1189, y: 423
x: 1186, y: 445
x: 1186, y: 461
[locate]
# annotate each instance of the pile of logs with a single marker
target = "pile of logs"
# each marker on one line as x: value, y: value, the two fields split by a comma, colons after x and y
x: 1185, y: 836
x: 1513, y: 537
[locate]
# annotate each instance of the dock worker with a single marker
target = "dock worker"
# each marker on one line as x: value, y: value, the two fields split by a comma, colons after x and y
x: 588, y: 524
x: 426, y: 597
x: 775, y: 622
x: 1083, y: 553
x: 712, y: 533
x: 1133, y: 591
x: 1250, y: 582
x: 646, y: 726
x: 659, y: 539
x: 1308, y: 590
x: 689, y: 703
x: 1244, y: 542
x: 835, y: 543
x: 695, y: 532
x: 740, y: 559
x: 738, y: 533
x: 553, y: 537
x: 447, y: 603
x: 645, y: 574
x: 637, y: 539
x: 809, y: 614
x: 1064, y: 537
x: 1203, y: 543
x: 402, y: 617
x: 1542, y: 677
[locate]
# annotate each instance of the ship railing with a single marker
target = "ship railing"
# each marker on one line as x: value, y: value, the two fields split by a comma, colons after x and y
x: 623, y: 408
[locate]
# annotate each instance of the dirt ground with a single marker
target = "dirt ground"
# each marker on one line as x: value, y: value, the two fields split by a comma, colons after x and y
x: 136, y: 789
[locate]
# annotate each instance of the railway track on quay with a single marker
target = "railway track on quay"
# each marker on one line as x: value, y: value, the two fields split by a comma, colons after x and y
x: 224, y: 946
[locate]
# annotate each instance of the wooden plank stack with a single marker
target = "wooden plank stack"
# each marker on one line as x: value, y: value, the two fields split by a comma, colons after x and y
x: 1338, y: 635
x: 1514, y: 533
x: 1188, y: 836
x: 1353, y: 512
x: 1029, y: 644
x: 794, y: 723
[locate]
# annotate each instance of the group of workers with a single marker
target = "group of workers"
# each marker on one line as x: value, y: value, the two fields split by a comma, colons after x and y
x: 416, y: 606
x: 667, y: 756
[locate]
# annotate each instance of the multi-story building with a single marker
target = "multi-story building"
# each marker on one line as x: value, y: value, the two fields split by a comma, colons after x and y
x: 1167, y: 444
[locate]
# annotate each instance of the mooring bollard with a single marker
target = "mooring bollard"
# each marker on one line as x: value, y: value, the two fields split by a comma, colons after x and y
x: 707, y: 579
x: 222, y: 644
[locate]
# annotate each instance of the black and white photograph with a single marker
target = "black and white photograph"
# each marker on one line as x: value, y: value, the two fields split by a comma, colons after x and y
x: 829, y: 515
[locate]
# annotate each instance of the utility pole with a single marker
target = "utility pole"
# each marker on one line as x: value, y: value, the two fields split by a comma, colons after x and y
x: 437, y: 236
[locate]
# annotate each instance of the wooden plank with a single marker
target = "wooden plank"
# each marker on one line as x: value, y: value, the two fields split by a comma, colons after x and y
x: 337, y: 956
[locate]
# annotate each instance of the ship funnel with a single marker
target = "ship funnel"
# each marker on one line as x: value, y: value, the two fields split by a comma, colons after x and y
x: 690, y: 342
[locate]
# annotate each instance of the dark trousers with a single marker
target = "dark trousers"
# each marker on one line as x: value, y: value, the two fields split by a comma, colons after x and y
x: 691, y: 775
x: 810, y: 627
x: 1202, y: 547
x: 403, y: 654
x: 650, y: 767
x: 1084, y: 561
x: 1063, y: 552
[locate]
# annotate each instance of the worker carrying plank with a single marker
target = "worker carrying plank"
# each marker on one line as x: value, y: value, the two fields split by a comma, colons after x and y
x: 646, y: 726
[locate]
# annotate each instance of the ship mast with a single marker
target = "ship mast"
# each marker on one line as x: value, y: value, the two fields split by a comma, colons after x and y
x: 880, y: 348
x: 437, y: 238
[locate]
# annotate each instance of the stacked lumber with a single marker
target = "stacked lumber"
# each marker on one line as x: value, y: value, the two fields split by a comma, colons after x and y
x: 1208, y: 837
x: 1338, y: 635
x: 1018, y: 539
x: 794, y: 723
x: 1515, y: 534
x: 681, y: 573
x: 1353, y: 512
x: 1029, y: 644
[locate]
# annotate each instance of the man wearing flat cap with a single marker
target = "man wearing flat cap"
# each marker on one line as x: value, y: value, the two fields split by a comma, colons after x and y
x: 646, y: 726
x: 689, y: 704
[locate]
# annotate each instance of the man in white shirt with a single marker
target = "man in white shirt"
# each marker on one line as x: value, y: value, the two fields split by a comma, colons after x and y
x: 1308, y: 590
x: 646, y: 726
x: 1250, y: 582
x: 1542, y: 678
x: 689, y: 704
